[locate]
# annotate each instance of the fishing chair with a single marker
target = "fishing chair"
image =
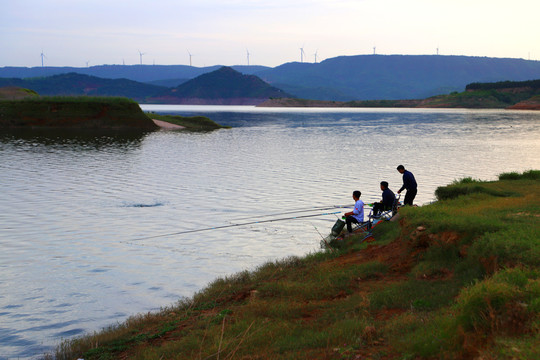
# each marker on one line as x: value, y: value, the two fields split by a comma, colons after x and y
x: 389, y: 213
x: 367, y: 226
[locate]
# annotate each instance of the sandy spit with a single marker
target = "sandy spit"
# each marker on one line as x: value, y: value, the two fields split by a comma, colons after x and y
x: 167, y: 125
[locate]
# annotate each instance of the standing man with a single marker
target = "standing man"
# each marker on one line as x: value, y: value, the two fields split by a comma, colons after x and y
x: 357, y: 215
x: 409, y: 183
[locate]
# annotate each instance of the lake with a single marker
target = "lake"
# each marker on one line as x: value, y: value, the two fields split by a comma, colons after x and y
x: 95, y: 227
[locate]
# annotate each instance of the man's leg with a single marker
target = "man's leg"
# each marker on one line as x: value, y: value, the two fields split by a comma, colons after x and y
x: 349, y: 220
x: 377, y: 207
x: 409, y: 197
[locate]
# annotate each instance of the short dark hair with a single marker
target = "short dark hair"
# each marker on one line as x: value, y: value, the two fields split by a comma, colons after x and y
x: 384, y: 184
x: 356, y: 194
x: 401, y: 167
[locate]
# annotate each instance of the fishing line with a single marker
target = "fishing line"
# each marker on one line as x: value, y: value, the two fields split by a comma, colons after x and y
x: 232, y: 225
x: 297, y: 211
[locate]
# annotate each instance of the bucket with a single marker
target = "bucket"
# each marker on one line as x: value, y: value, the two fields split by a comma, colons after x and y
x: 338, y: 226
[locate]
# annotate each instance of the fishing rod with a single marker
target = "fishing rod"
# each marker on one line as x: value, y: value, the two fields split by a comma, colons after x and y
x: 297, y: 211
x: 233, y: 225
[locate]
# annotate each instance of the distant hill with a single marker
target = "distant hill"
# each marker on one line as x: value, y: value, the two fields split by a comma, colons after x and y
x: 344, y: 78
x: 520, y: 95
x: 223, y: 86
x: 374, y: 77
x: 79, y: 84
x: 140, y: 73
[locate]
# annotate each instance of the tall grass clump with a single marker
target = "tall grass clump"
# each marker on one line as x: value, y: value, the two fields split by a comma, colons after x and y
x: 466, y: 188
x: 526, y: 175
x: 505, y: 302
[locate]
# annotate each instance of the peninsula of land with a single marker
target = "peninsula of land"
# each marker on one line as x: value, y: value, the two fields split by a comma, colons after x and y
x: 23, y: 108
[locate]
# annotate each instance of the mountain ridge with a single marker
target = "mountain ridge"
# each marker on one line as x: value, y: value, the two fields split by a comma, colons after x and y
x: 343, y: 78
x: 224, y: 86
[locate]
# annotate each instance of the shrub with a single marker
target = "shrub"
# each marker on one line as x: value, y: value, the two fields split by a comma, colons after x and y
x: 500, y: 303
x: 527, y: 175
x: 465, y: 188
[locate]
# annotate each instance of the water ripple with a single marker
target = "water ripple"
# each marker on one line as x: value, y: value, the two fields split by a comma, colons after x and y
x: 74, y: 207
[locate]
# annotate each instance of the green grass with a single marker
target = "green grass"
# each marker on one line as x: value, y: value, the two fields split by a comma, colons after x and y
x: 74, y: 112
x: 89, y: 112
x: 455, y: 279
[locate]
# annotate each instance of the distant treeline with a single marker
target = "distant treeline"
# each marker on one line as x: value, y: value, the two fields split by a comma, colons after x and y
x: 534, y: 84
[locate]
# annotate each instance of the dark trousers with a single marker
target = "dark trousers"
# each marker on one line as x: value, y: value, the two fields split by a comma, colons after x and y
x: 378, y: 207
x: 409, y: 197
x: 349, y: 221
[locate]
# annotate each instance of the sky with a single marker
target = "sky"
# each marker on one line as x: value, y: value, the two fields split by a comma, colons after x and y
x: 213, y: 32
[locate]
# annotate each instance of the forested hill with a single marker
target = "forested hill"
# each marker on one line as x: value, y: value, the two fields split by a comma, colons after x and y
x: 79, y: 84
x: 371, y: 77
x: 158, y: 74
x: 226, y: 83
x: 345, y: 78
x: 224, y: 86
x: 530, y: 84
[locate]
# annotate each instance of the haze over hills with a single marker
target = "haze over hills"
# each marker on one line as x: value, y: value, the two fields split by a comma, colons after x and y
x: 156, y: 74
x: 80, y: 84
x: 344, y: 78
x: 223, y: 86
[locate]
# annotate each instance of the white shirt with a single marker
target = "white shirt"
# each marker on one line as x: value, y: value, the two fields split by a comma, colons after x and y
x: 358, y: 212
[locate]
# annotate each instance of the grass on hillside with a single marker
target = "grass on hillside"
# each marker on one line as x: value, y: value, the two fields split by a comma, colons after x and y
x: 480, y: 99
x: 457, y: 279
x: 89, y: 112
x: 74, y: 112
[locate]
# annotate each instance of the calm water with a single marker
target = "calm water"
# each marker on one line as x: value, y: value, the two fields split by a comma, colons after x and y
x: 86, y: 219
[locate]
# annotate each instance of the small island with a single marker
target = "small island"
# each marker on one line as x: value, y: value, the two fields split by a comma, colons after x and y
x: 23, y: 108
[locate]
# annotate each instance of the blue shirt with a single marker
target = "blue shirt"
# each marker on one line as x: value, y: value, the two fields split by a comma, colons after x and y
x: 409, y: 182
x: 358, y: 212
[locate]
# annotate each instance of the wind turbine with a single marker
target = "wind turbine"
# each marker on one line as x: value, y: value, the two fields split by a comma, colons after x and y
x: 247, y: 51
x: 374, y: 50
x: 316, y: 51
x: 42, y: 56
x: 140, y: 55
x: 302, y: 53
x: 190, y: 58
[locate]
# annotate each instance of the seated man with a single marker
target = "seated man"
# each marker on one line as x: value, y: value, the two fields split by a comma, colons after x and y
x: 357, y: 215
x: 387, y: 202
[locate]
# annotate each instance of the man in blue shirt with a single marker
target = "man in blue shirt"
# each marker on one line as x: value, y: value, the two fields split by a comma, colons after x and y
x: 387, y: 202
x: 357, y: 215
x: 409, y: 183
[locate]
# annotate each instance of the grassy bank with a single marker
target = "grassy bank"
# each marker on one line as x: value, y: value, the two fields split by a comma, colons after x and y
x: 457, y: 279
x: 74, y: 112
x: 22, y: 108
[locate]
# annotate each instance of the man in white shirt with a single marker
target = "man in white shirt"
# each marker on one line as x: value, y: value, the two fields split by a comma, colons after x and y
x: 357, y: 215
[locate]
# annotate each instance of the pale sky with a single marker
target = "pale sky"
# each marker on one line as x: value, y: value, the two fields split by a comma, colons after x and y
x: 96, y: 32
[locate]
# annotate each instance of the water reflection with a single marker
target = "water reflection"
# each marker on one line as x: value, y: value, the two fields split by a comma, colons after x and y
x: 86, y: 218
x: 86, y: 139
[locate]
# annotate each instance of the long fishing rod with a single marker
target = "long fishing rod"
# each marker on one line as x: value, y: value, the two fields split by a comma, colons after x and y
x: 297, y: 211
x: 232, y: 225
